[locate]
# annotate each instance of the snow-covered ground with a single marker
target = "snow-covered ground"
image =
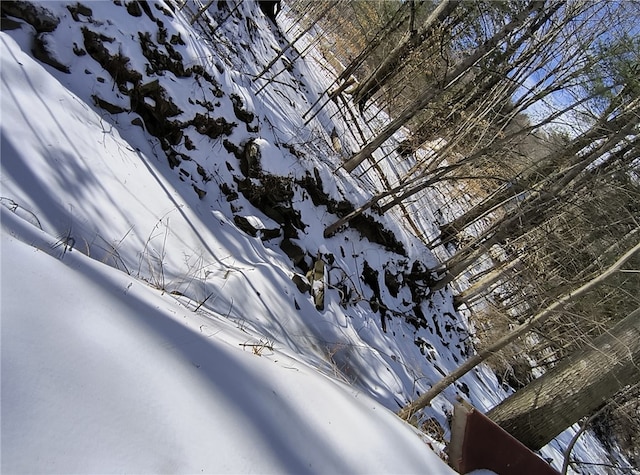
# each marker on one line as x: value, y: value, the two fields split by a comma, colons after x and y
x: 103, y: 374
x: 142, y: 329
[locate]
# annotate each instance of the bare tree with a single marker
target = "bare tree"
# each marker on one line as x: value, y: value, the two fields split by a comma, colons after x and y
x: 575, y: 388
x: 550, y: 311
x: 451, y: 78
x: 411, y: 40
x: 290, y: 44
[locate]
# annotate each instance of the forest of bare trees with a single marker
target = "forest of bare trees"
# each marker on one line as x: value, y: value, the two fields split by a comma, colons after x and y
x: 535, y: 109
x: 525, y: 114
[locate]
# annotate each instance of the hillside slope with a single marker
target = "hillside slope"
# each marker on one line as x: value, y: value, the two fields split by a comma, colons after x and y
x: 102, y: 374
x: 145, y: 144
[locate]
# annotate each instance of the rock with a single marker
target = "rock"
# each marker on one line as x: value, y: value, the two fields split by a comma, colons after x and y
x: 9, y: 24
x: 211, y: 127
x: 238, y: 109
x: 301, y: 282
x: 392, y: 283
x: 201, y: 193
x: 295, y: 253
x: 268, y: 234
x: 42, y: 53
x: 39, y: 17
x: 116, y: 65
x: 228, y: 192
x: 110, y: 108
x: 151, y: 102
x: 79, y: 9
x: 245, y: 225
x: 270, y: 8
x: 158, y: 61
x: 133, y: 8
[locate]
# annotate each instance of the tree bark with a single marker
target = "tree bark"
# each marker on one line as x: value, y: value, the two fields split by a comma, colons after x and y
x: 408, y: 410
x: 204, y: 8
x: 329, y: 6
x: 390, y: 27
x: 575, y: 388
x: 485, y: 282
x: 450, y: 79
x: 408, y: 43
x: 567, y: 158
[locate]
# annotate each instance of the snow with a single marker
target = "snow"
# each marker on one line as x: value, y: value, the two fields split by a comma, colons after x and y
x: 101, y: 373
x: 143, y: 331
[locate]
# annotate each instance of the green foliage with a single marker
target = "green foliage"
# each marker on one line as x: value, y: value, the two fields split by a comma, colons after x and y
x: 616, y: 72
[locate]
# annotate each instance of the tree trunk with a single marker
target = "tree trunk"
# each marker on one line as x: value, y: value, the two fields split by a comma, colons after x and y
x: 544, y: 169
x: 429, y: 95
x: 204, y: 8
x: 485, y: 282
x: 387, y: 30
x: 329, y: 6
x: 407, y: 411
x: 408, y: 43
x: 575, y: 388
